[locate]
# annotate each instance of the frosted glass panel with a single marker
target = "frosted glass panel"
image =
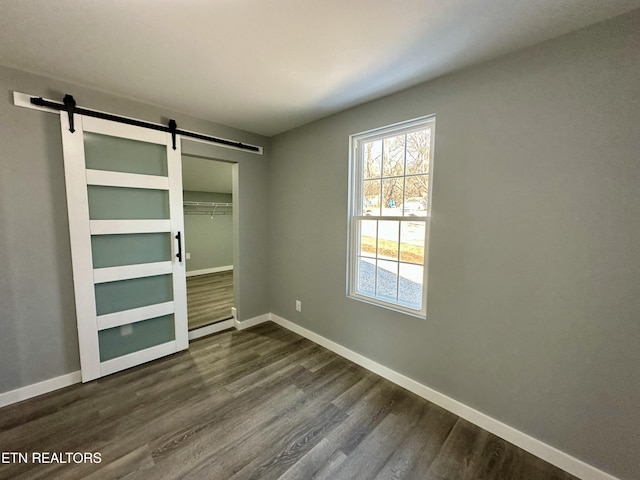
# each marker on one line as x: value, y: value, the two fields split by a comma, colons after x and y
x: 145, y: 334
x: 117, y: 203
x: 115, y: 250
x: 103, y: 152
x: 136, y: 292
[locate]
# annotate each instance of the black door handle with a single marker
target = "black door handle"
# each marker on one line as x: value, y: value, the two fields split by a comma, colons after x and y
x: 179, y: 254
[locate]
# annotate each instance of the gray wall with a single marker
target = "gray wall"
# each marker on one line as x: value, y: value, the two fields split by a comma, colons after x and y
x: 534, y: 277
x: 209, y: 241
x: 38, y: 339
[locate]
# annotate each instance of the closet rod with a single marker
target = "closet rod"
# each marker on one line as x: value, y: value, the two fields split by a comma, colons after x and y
x: 69, y: 106
x: 204, y: 212
x: 189, y: 203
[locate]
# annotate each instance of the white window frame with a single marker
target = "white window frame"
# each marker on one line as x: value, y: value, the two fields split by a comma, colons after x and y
x: 356, y: 176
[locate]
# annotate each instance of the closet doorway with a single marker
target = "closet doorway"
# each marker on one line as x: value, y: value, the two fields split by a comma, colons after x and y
x: 208, y: 225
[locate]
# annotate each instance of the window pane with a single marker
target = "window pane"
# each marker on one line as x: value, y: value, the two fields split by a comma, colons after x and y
x: 372, y: 158
x: 387, y: 281
x: 416, y: 191
x: 412, y: 242
x: 368, y: 238
x: 410, y: 285
x: 393, y: 156
x: 371, y: 197
x: 391, y: 196
x: 388, y: 235
x: 366, y: 276
x: 418, y: 151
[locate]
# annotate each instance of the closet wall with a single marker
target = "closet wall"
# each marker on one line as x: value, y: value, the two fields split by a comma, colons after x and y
x: 208, y: 232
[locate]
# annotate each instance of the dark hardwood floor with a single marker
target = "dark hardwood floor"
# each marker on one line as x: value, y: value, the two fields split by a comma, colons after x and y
x: 260, y: 404
x: 209, y: 298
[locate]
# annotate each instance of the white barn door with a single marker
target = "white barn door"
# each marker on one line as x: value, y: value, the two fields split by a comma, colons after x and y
x: 124, y: 199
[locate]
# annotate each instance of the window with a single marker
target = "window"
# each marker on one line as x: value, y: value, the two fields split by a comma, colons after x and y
x: 389, y: 215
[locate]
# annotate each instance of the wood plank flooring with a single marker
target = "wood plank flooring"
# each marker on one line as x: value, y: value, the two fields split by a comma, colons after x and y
x: 209, y: 298
x: 260, y: 404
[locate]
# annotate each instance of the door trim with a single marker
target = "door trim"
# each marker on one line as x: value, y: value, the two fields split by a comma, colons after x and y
x: 125, y: 272
x: 137, y: 358
x: 80, y: 239
x: 134, y: 315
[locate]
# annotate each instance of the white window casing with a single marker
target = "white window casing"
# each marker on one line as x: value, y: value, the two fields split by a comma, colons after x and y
x: 390, y: 188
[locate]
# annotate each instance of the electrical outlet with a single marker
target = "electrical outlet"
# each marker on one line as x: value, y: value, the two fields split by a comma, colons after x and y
x: 126, y: 330
x: 188, y: 256
x: 298, y: 306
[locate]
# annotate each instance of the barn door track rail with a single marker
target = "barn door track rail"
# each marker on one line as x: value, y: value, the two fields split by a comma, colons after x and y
x: 69, y: 105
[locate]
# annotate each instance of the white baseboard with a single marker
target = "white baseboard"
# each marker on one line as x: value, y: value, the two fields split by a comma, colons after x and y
x: 532, y: 445
x: 210, y: 329
x: 252, y: 322
x: 46, y: 386
x: 30, y: 391
x: 205, y: 271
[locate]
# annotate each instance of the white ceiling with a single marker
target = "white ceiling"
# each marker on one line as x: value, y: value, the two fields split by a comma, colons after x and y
x: 270, y: 65
x: 202, y: 175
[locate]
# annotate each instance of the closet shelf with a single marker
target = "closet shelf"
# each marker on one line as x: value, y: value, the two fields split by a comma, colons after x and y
x: 206, y: 212
x: 206, y: 204
x: 207, y: 208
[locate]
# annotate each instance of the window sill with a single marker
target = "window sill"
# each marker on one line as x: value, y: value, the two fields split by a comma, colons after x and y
x: 387, y: 306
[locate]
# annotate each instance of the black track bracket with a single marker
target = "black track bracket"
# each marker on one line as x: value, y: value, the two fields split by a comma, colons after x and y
x: 173, y: 127
x: 70, y: 105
